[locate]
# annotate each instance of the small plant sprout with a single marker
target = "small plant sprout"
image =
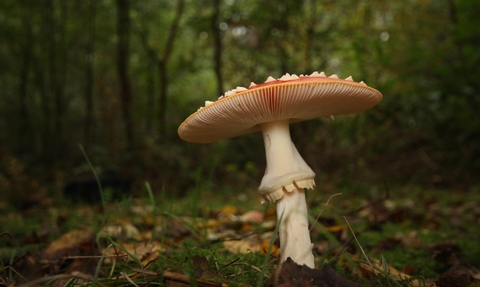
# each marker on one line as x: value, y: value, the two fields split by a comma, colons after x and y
x: 271, y: 107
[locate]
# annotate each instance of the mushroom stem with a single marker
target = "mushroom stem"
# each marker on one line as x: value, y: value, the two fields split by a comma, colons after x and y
x: 293, y: 230
x: 286, y: 170
x: 285, y: 177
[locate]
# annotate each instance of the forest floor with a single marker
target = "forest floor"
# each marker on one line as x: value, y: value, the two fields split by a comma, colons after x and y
x: 397, y: 237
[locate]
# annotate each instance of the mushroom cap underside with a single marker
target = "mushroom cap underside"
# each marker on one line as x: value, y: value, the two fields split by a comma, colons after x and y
x: 298, y: 100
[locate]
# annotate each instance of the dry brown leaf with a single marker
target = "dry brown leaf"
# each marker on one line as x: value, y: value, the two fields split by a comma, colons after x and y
x: 123, y: 229
x: 144, y: 251
x: 228, y: 210
x: 70, y: 244
x: 336, y: 228
x: 253, y: 243
x: 457, y: 276
x: 70, y: 253
x: 378, y: 270
x: 410, y: 240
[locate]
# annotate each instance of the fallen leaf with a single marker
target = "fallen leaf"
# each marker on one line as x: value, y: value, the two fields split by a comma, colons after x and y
x: 228, y: 210
x: 252, y: 243
x: 74, y: 243
x: 144, y: 251
x: 123, y: 229
x: 72, y: 252
x: 336, y: 228
x: 410, y: 240
x: 457, y: 277
x: 379, y: 269
x: 447, y: 253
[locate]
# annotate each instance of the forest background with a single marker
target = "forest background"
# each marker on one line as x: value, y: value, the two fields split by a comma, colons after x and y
x: 118, y: 77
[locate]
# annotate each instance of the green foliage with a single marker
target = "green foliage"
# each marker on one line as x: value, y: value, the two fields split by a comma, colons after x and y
x: 422, y: 55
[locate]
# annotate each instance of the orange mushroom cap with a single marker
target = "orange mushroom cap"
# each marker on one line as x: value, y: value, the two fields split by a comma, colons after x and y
x: 296, y: 98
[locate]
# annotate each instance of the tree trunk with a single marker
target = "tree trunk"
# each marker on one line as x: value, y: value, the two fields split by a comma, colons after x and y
x: 89, y: 71
x: 310, y: 37
x: 44, y: 76
x: 161, y: 63
x: 162, y: 109
x: 123, y: 30
x: 162, y: 66
x: 24, y: 129
x: 217, y: 46
x: 25, y: 132
x: 452, y: 13
x: 284, y: 26
x: 150, y: 108
x: 152, y: 55
x: 57, y: 62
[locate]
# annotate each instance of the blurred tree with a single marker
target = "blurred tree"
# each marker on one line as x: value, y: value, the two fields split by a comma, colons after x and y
x: 217, y: 47
x: 70, y: 73
x: 161, y: 59
x: 89, y: 71
x: 123, y: 54
x: 25, y: 129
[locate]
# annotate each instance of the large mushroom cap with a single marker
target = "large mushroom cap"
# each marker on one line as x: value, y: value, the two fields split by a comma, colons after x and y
x: 241, y: 111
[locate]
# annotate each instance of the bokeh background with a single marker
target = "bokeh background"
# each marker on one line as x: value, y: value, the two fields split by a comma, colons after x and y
x: 118, y: 77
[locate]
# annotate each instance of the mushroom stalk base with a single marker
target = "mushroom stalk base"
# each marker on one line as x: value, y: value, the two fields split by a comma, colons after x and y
x: 293, y: 231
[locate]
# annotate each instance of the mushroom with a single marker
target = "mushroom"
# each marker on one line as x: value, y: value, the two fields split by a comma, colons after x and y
x: 271, y: 107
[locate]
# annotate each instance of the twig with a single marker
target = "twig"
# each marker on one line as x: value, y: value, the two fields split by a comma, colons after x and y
x: 258, y: 269
x: 225, y: 266
x: 138, y: 270
x: 55, y: 277
x: 427, y: 159
x: 321, y: 211
x: 94, y: 256
x: 178, y: 277
x: 128, y: 278
x: 361, y: 248
x: 6, y: 233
